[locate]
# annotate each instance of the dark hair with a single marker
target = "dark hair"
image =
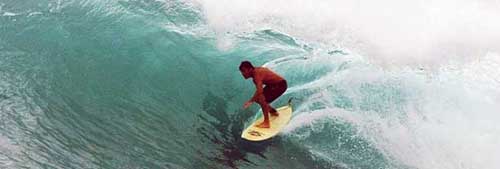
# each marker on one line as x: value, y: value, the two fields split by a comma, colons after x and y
x: 246, y: 64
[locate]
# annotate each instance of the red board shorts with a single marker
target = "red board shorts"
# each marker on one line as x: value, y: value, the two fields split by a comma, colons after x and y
x: 273, y: 91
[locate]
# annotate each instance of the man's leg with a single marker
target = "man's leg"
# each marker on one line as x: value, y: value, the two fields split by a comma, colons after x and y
x: 270, y: 96
x: 265, y: 111
x: 273, y: 111
x: 271, y: 93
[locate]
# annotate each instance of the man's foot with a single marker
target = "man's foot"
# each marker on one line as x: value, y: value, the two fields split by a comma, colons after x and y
x: 274, y: 112
x: 263, y: 125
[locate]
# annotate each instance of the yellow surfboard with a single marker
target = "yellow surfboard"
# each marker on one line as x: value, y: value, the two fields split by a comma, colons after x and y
x: 253, y: 133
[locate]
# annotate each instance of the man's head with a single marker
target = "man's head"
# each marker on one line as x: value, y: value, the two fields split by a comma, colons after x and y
x: 246, y: 69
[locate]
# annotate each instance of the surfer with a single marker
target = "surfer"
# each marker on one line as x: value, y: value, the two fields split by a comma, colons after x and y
x: 275, y: 86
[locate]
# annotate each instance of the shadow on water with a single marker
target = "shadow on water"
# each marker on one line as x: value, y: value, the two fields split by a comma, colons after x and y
x: 228, y: 129
x: 224, y: 129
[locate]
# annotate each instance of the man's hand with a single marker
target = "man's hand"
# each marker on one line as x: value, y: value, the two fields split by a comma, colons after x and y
x: 247, y: 104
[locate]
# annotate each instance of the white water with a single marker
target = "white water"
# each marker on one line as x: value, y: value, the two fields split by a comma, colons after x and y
x: 391, y: 33
x: 449, y: 120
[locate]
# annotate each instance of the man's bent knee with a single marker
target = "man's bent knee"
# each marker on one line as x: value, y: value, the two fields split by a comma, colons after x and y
x: 261, y: 101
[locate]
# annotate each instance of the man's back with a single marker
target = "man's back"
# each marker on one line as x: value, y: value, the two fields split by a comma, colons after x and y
x: 267, y: 76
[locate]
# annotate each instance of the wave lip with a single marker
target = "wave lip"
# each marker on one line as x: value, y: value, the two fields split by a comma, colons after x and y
x: 390, y: 33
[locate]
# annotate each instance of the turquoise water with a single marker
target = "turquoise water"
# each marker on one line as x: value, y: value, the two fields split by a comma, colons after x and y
x: 154, y: 84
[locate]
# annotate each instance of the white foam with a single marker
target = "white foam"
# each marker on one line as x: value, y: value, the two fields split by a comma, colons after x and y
x: 9, y: 14
x: 388, y: 32
x: 449, y: 118
x: 35, y: 13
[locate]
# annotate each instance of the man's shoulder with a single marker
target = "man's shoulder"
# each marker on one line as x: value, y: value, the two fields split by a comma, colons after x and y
x: 262, y: 69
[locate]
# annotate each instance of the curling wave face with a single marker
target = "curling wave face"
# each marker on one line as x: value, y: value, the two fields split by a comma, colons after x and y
x: 155, y: 84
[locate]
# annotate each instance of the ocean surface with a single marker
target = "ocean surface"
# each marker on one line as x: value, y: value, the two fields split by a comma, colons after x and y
x: 129, y: 84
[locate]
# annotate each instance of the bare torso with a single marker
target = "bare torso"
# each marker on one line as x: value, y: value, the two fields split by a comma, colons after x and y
x: 267, y: 76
